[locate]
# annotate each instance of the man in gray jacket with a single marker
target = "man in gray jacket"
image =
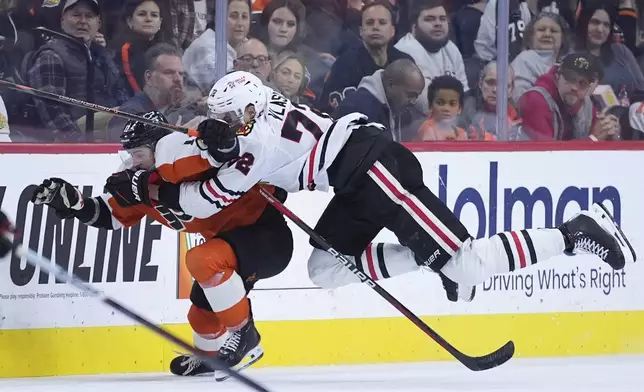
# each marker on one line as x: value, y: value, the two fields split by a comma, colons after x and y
x: 387, y: 97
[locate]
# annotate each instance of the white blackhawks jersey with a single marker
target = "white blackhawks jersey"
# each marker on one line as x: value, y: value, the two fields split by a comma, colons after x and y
x: 290, y: 146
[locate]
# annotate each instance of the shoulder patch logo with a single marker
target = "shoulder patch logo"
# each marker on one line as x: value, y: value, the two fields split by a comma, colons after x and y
x: 246, y: 128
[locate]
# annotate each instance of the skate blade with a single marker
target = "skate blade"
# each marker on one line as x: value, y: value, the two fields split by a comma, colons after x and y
x: 608, y: 222
x: 253, y: 356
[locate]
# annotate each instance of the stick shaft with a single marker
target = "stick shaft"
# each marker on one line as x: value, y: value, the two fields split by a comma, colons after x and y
x: 92, y: 106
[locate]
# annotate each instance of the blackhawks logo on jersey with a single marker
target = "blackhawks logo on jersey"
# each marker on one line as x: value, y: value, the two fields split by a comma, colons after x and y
x: 246, y: 128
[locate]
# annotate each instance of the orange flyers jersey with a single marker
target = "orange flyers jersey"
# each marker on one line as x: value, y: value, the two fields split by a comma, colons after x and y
x: 179, y: 158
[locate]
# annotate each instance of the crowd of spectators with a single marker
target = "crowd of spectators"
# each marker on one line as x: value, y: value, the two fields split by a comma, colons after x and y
x: 427, y: 69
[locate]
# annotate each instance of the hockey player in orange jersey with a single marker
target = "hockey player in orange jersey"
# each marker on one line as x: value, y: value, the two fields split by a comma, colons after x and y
x: 224, y: 268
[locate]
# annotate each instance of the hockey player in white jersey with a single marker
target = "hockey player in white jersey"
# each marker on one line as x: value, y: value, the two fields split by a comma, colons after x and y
x: 378, y: 184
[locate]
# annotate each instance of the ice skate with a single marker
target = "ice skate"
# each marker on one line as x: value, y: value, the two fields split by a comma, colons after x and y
x: 457, y: 292
x: 189, y: 365
x: 241, y: 350
x: 596, y: 232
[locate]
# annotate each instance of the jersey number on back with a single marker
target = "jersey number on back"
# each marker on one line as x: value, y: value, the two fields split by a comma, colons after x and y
x: 298, y: 118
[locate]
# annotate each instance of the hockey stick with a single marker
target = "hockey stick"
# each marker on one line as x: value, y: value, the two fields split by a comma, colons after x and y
x: 485, y: 362
x: 93, y: 106
x: 48, y: 266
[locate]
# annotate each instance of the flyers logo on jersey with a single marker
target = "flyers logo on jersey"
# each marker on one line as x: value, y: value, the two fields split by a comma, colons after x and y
x: 246, y: 128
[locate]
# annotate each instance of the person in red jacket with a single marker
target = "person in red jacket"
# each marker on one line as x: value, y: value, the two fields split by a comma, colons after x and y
x: 558, y: 107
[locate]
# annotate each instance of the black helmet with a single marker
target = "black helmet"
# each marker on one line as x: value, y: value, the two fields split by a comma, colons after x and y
x: 137, y: 134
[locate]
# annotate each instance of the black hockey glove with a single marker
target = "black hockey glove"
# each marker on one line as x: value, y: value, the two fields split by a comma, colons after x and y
x: 130, y: 187
x: 60, y: 195
x: 219, y: 138
x: 5, y: 228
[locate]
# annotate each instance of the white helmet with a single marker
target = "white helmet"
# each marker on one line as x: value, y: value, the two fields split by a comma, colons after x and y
x: 232, y: 94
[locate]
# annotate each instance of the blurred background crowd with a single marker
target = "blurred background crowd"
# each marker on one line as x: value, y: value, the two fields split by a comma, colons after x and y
x: 425, y: 68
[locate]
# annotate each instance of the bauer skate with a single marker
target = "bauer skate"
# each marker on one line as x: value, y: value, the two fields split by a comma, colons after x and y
x: 241, y: 350
x: 189, y: 365
x: 457, y: 292
x: 596, y: 232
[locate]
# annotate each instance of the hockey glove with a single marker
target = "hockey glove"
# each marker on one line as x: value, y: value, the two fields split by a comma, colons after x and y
x: 5, y: 228
x: 219, y: 138
x: 60, y: 195
x: 130, y: 187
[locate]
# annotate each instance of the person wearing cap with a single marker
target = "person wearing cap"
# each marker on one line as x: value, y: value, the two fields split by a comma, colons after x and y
x: 60, y: 67
x: 558, y: 107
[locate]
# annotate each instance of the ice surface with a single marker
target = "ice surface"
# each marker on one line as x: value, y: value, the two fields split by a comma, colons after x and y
x: 588, y: 374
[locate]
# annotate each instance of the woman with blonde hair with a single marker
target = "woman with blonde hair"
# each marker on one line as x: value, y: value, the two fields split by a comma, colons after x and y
x: 290, y: 77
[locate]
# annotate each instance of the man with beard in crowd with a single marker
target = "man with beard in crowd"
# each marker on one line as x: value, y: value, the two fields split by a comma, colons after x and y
x: 429, y: 45
x: 558, y: 106
x: 376, y: 30
x: 163, y: 91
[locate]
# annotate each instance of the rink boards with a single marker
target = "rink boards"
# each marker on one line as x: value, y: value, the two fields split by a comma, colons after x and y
x: 567, y: 306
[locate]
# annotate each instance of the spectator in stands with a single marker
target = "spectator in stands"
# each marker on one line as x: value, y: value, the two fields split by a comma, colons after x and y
x: 4, y: 123
x: 188, y: 19
x: 429, y: 45
x: 479, y: 112
x: 445, y: 96
x: 621, y: 70
x: 330, y: 26
x: 625, y: 27
x: 521, y: 13
x: 546, y: 42
x: 163, y: 90
x: 466, y: 22
x: 139, y: 29
x: 252, y: 56
x: 377, y: 31
x: 200, y: 57
x: 631, y: 121
x: 465, y: 26
x: 289, y: 76
x: 281, y: 26
x: 60, y: 67
x: 558, y: 107
x: 387, y: 96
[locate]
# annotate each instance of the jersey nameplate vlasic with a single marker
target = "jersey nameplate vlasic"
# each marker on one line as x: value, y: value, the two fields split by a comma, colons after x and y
x: 246, y: 129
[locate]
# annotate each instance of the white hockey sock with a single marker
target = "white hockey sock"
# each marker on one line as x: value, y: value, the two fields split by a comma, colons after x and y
x: 480, y: 259
x: 378, y: 261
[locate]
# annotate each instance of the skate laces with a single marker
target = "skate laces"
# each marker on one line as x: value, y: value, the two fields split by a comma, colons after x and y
x: 588, y: 245
x: 232, y: 343
x: 192, y: 362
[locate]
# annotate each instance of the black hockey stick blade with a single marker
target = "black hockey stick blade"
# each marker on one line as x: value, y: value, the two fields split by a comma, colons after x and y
x: 485, y: 362
x: 50, y: 267
x: 488, y: 361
